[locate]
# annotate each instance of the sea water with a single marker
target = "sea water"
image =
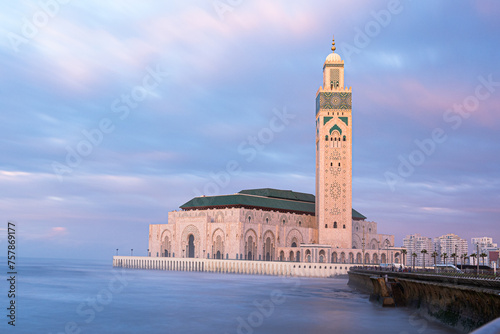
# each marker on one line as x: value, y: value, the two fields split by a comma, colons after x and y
x: 76, y: 296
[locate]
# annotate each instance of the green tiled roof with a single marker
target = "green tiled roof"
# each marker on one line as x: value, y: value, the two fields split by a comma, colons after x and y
x: 265, y: 198
x: 250, y: 201
x: 357, y: 215
x: 283, y: 194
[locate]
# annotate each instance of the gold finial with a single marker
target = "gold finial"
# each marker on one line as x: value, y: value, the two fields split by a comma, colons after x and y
x: 333, y: 44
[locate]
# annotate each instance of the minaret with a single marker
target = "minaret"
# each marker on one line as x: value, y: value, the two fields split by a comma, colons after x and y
x: 334, y: 156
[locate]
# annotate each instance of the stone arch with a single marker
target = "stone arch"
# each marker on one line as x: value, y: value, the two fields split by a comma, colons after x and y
x: 294, y: 236
x: 375, y: 258
x: 359, y: 258
x: 268, y: 246
x: 219, y: 217
x: 383, y: 258
x: 351, y: 257
x: 357, y: 241
x: 342, y: 257
x: 166, y: 243
x: 266, y: 218
x: 249, y: 217
x: 374, y: 244
x: 322, y: 256
x: 396, y: 257
x: 190, y: 230
x: 367, y: 258
x: 334, y: 257
x: 337, y: 131
x: 284, y: 218
x: 308, y: 255
x: 218, y: 242
x: 250, y: 244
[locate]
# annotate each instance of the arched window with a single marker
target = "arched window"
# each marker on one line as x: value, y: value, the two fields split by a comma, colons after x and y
x: 343, y: 226
x: 267, y: 220
x: 334, y: 224
x: 326, y: 137
x: 326, y: 225
x: 300, y: 223
x: 283, y: 222
x: 249, y: 219
x: 344, y: 138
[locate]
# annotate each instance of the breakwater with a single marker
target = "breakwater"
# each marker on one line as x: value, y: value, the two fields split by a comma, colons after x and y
x: 277, y: 268
x: 463, y: 303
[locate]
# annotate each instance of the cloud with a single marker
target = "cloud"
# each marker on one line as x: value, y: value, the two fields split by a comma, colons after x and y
x: 53, y: 234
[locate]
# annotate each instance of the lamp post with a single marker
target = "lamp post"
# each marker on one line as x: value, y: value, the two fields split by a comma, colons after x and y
x: 148, y: 252
x: 456, y: 252
x: 477, y: 268
x: 117, y: 252
x: 131, y: 252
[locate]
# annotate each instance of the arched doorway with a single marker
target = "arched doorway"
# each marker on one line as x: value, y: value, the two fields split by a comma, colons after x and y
x: 250, y: 247
x: 267, y: 249
x: 217, y: 256
x: 321, y: 256
x: 292, y: 258
x: 308, y: 255
x: 191, y: 245
x: 334, y: 257
x: 282, y: 256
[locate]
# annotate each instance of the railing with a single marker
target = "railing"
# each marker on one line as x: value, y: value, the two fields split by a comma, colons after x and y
x: 305, y: 269
x: 444, y: 272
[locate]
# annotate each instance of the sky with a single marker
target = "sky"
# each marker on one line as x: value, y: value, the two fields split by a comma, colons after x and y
x: 115, y: 113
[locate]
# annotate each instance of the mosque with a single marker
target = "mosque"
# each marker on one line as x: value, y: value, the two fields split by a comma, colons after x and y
x: 283, y: 225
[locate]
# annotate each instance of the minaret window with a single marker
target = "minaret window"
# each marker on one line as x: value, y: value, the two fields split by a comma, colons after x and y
x: 326, y: 137
x: 334, y: 224
x: 344, y: 138
x: 326, y: 225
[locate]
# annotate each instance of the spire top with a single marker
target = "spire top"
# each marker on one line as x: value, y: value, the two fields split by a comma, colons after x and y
x: 333, y: 44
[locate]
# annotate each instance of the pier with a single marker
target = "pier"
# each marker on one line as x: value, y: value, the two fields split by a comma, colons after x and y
x: 276, y: 268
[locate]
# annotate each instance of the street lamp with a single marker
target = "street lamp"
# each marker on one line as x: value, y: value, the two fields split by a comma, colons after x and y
x: 148, y: 252
x: 131, y: 252
x: 456, y: 252
x: 477, y: 255
x: 117, y: 252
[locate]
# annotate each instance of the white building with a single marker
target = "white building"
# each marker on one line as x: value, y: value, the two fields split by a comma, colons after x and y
x: 415, y: 243
x: 486, y: 245
x: 450, y: 244
x: 270, y: 224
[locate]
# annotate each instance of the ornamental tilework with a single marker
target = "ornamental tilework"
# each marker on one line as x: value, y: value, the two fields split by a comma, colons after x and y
x: 333, y: 100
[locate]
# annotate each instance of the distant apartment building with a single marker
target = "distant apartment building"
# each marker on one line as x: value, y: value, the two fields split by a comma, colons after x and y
x: 486, y: 246
x: 414, y: 244
x: 449, y: 244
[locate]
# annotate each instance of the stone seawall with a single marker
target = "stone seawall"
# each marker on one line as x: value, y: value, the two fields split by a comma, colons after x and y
x: 299, y: 269
x: 464, y: 304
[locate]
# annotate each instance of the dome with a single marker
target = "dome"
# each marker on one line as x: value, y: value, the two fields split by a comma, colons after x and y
x: 333, y: 58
